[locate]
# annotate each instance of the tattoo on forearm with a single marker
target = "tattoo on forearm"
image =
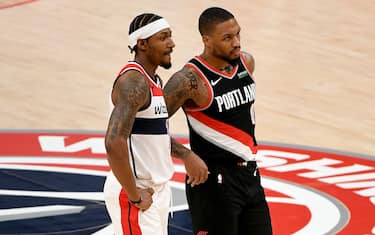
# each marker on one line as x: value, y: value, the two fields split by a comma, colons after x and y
x: 178, y: 150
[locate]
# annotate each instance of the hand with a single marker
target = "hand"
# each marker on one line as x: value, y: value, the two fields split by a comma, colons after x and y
x: 146, y: 195
x: 196, y: 169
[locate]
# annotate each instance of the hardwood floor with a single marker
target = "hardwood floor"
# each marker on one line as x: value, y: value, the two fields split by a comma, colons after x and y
x: 315, y: 64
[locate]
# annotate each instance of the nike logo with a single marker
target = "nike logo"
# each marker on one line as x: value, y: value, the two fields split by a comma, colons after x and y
x: 213, y: 83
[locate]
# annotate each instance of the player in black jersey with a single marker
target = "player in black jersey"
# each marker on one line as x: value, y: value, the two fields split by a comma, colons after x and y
x: 217, y: 93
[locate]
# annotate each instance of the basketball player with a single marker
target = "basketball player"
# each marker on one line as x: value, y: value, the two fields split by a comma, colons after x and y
x: 217, y: 92
x: 137, y: 195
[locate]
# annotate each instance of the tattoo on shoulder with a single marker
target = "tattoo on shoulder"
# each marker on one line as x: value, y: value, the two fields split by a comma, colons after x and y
x: 132, y: 94
x: 134, y: 90
x: 193, y: 80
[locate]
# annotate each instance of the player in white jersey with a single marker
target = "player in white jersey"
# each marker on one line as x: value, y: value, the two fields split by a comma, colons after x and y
x: 138, y: 145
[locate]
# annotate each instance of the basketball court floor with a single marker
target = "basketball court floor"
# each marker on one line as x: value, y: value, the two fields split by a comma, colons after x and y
x: 315, y: 75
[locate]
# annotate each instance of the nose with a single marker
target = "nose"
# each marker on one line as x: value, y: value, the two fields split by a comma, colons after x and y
x: 236, y: 41
x: 171, y: 43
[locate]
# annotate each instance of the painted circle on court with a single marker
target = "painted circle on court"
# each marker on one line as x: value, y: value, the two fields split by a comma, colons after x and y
x: 51, y: 182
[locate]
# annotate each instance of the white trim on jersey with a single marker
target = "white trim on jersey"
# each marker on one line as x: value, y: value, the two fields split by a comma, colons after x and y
x: 229, y: 143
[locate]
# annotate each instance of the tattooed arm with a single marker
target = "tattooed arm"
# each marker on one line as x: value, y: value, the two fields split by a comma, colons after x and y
x: 186, y: 88
x: 130, y: 94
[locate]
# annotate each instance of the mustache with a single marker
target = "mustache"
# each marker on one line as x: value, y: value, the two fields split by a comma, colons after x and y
x: 236, y: 48
x: 168, y: 52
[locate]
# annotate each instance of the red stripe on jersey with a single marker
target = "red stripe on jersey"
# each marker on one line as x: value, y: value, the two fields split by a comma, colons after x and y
x: 156, y: 91
x: 129, y: 215
x: 225, y: 129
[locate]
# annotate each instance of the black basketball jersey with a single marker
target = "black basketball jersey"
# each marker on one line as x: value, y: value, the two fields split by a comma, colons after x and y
x: 224, y: 127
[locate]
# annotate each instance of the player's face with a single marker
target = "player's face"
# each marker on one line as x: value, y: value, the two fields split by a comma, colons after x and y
x: 160, y: 48
x: 224, y: 41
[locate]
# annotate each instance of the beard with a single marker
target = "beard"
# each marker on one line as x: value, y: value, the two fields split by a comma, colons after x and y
x: 234, y: 62
x: 166, y: 65
x: 231, y: 61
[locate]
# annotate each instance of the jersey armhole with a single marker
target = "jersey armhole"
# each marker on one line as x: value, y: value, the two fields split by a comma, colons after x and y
x: 243, y: 61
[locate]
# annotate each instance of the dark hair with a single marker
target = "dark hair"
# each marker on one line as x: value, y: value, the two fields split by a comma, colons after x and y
x: 211, y: 17
x: 140, y: 21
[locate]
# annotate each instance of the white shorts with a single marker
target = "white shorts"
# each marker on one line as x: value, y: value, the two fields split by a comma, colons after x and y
x: 128, y: 219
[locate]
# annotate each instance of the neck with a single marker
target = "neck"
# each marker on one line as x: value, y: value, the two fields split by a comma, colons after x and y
x: 147, y: 65
x: 217, y: 62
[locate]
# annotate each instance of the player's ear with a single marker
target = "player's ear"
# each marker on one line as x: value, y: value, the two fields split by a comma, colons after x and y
x: 206, y: 40
x: 141, y: 44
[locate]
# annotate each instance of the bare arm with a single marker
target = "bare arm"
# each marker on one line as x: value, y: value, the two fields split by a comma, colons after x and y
x: 186, y: 88
x: 130, y: 94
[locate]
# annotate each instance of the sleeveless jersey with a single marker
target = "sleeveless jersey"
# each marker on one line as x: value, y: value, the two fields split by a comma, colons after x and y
x: 149, y: 141
x: 223, y: 128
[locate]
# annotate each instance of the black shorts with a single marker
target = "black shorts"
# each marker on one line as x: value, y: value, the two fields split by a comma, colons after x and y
x: 230, y: 202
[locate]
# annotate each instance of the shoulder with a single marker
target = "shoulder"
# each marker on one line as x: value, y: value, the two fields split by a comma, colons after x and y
x: 249, y: 60
x: 185, y: 77
x: 131, y: 86
x: 132, y: 79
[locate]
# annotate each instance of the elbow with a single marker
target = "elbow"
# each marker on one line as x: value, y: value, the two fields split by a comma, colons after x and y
x: 108, y: 143
x: 115, y: 146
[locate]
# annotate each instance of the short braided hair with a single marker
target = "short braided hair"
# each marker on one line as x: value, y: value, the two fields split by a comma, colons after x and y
x: 140, y: 21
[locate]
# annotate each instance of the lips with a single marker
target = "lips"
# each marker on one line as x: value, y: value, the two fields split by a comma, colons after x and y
x: 168, y: 53
x: 236, y: 51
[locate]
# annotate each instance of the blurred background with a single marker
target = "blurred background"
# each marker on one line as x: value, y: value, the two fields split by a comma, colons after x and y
x: 314, y: 64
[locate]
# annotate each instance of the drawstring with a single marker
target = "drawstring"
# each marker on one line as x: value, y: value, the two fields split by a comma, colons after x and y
x: 171, y: 203
x: 255, y: 171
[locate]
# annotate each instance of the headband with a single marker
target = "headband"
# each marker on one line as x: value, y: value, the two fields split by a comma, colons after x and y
x: 147, y: 31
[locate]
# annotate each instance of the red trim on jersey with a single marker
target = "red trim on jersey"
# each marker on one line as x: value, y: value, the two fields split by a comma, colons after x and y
x: 156, y: 91
x: 155, y: 88
x: 244, y: 62
x: 129, y: 215
x: 209, y: 88
x: 215, y: 70
x: 225, y: 129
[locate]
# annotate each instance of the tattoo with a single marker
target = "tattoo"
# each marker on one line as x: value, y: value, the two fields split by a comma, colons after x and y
x: 132, y: 94
x: 113, y: 125
x: 178, y: 150
x: 185, y: 88
x: 176, y: 91
x: 228, y: 68
x: 193, y: 80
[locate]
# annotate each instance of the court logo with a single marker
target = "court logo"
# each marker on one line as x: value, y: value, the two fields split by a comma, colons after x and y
x: 52, y: 183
